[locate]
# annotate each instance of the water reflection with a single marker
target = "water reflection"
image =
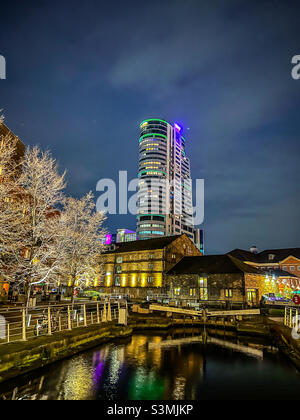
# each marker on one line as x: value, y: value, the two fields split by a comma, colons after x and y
x: 76, y: 382
x: 179, y: 365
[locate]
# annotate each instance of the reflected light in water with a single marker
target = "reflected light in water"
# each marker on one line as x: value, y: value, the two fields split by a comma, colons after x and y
x: 78, y: 382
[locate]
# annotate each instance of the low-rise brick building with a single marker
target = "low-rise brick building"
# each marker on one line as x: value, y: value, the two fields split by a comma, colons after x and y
x: 215, y: 278
x: 281, y: 267
x: 138, y: 268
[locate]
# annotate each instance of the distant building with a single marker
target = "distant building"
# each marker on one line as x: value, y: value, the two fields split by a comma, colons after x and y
x: 138, y: 268
x: 214, y: 279
x: 163, y: 161
x: 281, y: 267
x: 122, y: 235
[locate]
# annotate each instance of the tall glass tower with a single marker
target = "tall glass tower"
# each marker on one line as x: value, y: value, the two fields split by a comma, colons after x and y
x: 165, y: 188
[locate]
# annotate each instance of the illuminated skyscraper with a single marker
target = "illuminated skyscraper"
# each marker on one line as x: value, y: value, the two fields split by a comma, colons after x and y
x: 165, y: 188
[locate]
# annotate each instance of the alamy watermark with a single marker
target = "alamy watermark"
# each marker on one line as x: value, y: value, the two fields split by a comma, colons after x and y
x: 152, y: 196
x: 2, y: 68
x: 296, y: 68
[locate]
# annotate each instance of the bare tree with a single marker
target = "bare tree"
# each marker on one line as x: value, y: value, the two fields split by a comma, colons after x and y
x: 78, y: 241
x: 40, y: 187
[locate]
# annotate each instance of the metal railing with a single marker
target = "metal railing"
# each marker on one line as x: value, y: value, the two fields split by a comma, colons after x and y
x: 21, y: 324
x: 291, y: 317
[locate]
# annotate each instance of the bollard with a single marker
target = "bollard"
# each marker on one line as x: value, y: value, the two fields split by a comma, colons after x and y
x: 122, y: 319
x: 290, y: 317
x: 49, y: 321
x: 84, y: 316
x: 23, y: 325
x: 92, y: 318
x: 204, y: 317
x: 59, y: 323
x: 69, y: 319
x: 8, y: 332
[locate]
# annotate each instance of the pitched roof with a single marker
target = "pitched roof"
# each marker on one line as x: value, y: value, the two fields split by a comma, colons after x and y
x: 243, y: 255
x: 212, y: 264
x: 280, y: 254
x: 144, y: 245
x: 263, y: 257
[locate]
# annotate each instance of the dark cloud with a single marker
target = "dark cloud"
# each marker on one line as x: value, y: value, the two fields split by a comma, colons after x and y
x: 82, y: 75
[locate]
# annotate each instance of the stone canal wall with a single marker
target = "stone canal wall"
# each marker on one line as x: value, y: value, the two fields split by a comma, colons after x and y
x: 22, y: 357
x: 19, y: 358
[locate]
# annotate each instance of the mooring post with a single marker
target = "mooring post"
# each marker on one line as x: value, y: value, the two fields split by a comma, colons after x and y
x: 204, y: 316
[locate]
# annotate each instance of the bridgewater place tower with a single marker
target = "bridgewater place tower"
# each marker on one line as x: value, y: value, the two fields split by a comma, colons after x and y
x: 165, y: 205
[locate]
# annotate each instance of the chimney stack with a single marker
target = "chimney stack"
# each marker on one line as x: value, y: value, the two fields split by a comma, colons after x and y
x: 254, y: 249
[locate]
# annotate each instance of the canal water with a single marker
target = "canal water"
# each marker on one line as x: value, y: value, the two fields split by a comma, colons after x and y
x: 176, y: 365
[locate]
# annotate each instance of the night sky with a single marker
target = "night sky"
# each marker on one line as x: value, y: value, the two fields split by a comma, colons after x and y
x: 81, y: 76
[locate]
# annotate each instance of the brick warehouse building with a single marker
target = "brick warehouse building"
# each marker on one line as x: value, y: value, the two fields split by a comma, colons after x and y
x: 138, y: 268
x: 281, y: 267
x: 214, y: 279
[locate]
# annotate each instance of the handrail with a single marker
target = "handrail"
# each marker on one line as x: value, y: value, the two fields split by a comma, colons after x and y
x: 21, y: 324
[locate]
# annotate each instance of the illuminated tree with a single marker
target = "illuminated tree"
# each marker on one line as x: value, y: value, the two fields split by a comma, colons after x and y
x: 78, y: 241
x: 39, y: 186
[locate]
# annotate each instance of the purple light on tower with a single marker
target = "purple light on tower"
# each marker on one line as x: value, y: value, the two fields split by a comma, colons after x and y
x: 108, y: 239
x: 177, y: 126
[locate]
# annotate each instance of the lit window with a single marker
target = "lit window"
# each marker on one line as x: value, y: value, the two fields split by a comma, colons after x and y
x: 292, y: 268
x: 119, y: 260
x: 118, y: 269
x: 228, y: 293
x: 193, y: 292
x: 177, y: 291
x: 203, y: 288
x: 284, y: 267
x: 117, y: 281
